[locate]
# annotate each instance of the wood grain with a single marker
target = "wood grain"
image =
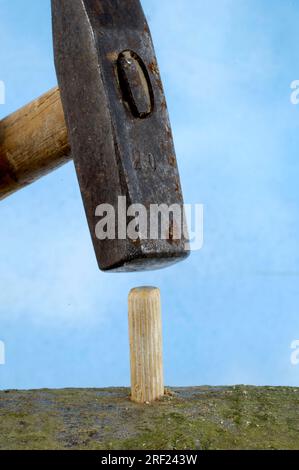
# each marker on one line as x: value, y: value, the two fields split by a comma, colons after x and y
x: 145, y: 329
x: 33, y: 142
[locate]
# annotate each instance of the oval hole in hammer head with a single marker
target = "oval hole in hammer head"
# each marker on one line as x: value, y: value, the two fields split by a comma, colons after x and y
x: 135, y: 84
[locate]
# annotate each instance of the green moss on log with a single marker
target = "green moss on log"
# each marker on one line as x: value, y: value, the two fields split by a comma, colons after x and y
x: 190, y: 418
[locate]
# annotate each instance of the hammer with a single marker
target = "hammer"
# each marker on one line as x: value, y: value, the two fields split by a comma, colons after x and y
x: 110, y: 116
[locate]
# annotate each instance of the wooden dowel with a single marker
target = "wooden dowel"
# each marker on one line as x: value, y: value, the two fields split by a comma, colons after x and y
x: 145, y: 329
x: 33, y: 142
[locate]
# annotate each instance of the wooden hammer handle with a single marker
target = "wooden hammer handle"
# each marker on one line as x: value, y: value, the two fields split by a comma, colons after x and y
x: 33, y: 142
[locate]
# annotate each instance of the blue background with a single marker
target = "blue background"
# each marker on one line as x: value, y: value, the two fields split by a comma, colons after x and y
x: 230, y: 312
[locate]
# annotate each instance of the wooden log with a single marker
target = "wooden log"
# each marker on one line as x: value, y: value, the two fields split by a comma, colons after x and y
x: 145, y: 330
x: 33, y: 142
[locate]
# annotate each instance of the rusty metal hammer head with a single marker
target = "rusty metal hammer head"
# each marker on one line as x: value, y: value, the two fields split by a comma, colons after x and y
x: 118, y: 127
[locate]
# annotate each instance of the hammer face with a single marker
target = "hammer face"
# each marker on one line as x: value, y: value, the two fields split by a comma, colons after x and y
x: 118, y: 127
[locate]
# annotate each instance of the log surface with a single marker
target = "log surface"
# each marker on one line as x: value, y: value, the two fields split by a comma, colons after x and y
x: 33, y: 142
x: 192, y: 418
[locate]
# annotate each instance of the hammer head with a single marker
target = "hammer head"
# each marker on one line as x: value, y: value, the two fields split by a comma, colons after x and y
x: 119, y: 131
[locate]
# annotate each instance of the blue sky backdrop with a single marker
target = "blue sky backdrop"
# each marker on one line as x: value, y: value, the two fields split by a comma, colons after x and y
x: 231, y: 311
